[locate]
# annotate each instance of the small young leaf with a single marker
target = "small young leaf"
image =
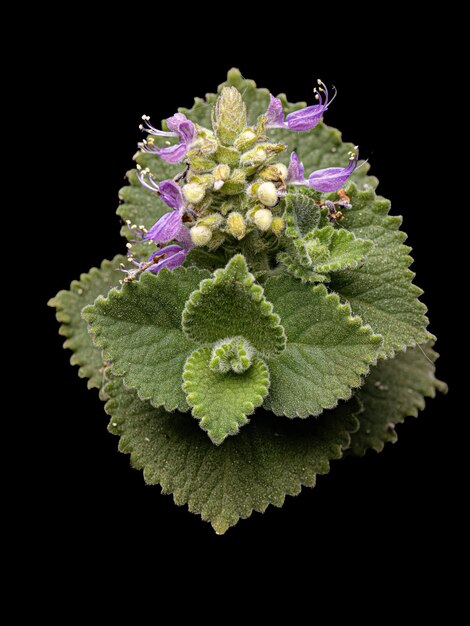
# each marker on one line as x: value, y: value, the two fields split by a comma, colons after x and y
x: 234, y: 354
x: 302, y: 214
x: 69, y: 305
x: 139, y: 329
x: 230, y: 305
x: 222, y: 401
x: 394, y: 390
x: 323, y: 251
x: 346, y: 252
x: 328, y: 351
x: 269, y: 459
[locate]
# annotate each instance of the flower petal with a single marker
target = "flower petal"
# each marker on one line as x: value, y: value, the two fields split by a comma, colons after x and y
x: 295, y: 171
x: 172, y: 154
x: 168, y: 227
x: 187, y: 130
x: 332, y: 178
x: 175, y: 121
x: 171, y: 194
x: 305, y: 119
x: 174, y: 257
x: 275, y: 113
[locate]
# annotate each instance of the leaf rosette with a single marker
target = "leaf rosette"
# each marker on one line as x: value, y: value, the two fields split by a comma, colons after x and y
x: 252, y: 296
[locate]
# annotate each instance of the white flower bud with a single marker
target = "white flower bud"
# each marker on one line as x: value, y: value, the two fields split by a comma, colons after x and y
x: 236, y: 225
x: 281, y: 168
x: 277, y: 225
x: 263, y: 219
x: 274, y: 172
x: 247, y: 136
x: 212, y: 221
x: 194, y: 193
x: 221, y: 172
x: 267, y: 194
x: 200, y: 235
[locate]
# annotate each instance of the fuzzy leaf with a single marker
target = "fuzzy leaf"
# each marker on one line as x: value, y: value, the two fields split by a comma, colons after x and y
x: 346, y: 252
x: 302, y: 214
x: 328, y: 351
x: 381, y: 291
x: 323, y: 251
x: 394, y: 390
x: 229, y: 305
x: 318, y: 148
x: 269, y: 459
x: 139, y: 329
x: 69, y: 305
x: 222, y: 401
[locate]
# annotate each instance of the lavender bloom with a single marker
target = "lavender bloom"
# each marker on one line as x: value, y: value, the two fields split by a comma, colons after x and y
x: 275, y: 113
x: 170, y: 226
x: 295, y: 171
x: 306, y: 118
x: 180, y: 127
x: 171, y: 194
x: 171, y: 257
x: 333, y: 178
x: 169, y: 191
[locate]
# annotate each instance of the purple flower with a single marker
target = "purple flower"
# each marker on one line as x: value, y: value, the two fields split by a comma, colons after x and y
x: 180, y: 127
x: 171, y: 257
x: 168, y: 228
x: 275, y: 113
x: 295, y: 171
x: 169, y: 191
x: 171, y: 194
x: 306, y: 118
x: 333, y: 178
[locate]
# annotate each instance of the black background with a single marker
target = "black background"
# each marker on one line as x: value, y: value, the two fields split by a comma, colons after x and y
x: 365, y: 509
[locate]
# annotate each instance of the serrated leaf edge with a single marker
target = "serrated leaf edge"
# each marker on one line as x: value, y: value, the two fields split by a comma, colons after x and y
x: 352, y: 320
x: 256, y: 294
x: 335, y: 452
x: 249, y: 408
x: 64, y: 329
x: 392, y: 223
x: 420, y: 405
x: 130, y: 381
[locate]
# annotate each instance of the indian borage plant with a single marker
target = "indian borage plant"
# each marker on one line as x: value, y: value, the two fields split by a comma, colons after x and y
x: 267, y: 293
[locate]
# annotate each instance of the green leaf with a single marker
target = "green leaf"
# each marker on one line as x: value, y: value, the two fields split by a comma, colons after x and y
x: 346, y: 252
x: 302, y: 214
x: 139, y: 329
x: 328, y: 351
x: 269, y: 459
x: 300, y: 270
x: 322, y: 252
x: 234, y: 354
x: 222, y: 401
x: 230, y: 305
x: 69, y: 305
x: 394, y: 390
x: 317, y: 148
x: 381, y: 291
